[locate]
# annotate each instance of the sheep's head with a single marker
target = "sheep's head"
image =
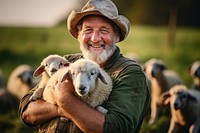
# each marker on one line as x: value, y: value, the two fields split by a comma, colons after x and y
x: 27, y: 78
x: 85, y: 74
x: 50, y: 65
x: 154, y: 67
x: 194, y: 71
x: 178, y: 97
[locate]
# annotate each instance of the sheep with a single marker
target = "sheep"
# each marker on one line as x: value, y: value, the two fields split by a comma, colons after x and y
x: 194, y: 71
x: 21, y: 80
x: 185, y: 109
x: 47, y: 68
x: 92, y: 84
x: 161, y: 80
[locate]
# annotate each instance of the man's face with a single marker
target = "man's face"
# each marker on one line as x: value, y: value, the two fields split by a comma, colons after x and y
x: 97, y: 38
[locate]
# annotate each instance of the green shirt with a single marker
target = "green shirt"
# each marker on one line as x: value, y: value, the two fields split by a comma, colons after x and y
x: 127, y: 103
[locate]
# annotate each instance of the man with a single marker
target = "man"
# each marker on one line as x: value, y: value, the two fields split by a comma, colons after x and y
x: 98, y: 28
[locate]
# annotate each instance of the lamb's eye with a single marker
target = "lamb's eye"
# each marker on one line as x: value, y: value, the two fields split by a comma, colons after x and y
x: 92, y: 72
x: 61, y: 64
x: 184, y: 95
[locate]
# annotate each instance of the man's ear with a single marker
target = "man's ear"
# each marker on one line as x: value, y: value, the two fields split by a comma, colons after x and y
x: 117, y: 38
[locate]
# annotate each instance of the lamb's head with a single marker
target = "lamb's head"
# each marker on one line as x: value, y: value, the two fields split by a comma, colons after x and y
x: 51, y: 64
x: 178, y: 97
x: 84, y: 74
x: 154, y: 67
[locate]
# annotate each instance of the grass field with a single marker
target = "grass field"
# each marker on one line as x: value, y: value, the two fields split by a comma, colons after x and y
x: 30, y: 45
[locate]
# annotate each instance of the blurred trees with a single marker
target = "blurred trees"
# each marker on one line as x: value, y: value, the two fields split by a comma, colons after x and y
x: 157, y: 11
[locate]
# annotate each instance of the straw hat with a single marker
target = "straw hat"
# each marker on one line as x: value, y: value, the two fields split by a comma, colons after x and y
x: 104, y: 8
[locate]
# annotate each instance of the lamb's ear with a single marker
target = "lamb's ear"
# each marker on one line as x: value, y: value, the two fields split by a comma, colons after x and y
x: 165, y: 97
x: 65, y: 76
x: 39, y: 71
x: 66, y: 64
x: 101, y: 77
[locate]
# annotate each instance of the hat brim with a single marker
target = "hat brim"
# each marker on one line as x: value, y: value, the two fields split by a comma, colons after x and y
x: 75, y: 17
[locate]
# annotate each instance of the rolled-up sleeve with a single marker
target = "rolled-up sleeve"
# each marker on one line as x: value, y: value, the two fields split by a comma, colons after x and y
x: 128, y: 101
x: 23, y: 105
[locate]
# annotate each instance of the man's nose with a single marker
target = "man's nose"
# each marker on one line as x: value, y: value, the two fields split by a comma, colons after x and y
x: 96, y: 37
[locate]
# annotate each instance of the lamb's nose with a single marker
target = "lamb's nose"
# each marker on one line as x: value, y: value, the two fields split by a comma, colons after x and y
x: 53, y: 70
x: 82, y: 89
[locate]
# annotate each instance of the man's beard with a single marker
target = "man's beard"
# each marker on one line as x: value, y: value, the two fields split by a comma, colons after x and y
x: 98, y: 57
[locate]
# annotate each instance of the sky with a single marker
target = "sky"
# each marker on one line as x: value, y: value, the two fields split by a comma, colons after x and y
x: 35, y: 13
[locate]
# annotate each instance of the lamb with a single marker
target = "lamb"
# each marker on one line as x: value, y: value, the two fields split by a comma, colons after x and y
x: 21, y: 80
x: 47, y: 68
x: 194, y: 71
x: 161, y: 80
x: 185, y: 109
x: 92, y: 84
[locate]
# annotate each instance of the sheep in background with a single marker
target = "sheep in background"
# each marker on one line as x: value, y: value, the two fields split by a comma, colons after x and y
x: 47, y: 68
x: 161, y: 80
x: 21, y: 80
x: 92, y: 84
x: 185, y: 109
x: 194, y: 71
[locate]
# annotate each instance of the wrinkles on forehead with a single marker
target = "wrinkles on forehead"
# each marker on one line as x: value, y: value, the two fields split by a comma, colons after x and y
x: 114, y: 26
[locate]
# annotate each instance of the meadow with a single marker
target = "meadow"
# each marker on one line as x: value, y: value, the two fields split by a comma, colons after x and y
x: 31, y: 45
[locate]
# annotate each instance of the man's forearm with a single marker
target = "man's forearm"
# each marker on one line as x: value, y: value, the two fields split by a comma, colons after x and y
x: 39, y: 112
x: 86, y: 118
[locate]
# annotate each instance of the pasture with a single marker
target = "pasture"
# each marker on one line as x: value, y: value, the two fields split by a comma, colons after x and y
x: 31, y: 45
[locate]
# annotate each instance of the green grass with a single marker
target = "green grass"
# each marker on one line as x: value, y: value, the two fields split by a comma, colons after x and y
x: 31, y: 45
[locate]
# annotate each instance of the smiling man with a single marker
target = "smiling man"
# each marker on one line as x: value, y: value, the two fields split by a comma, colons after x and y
x: 97, y: 27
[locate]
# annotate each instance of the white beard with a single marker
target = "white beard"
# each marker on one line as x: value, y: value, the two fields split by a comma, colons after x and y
x: 98, y: 57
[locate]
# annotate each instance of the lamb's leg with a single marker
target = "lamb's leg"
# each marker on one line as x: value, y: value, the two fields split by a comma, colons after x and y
x: 36, y: 94
x: 101, y: 109
x: 154, y: 112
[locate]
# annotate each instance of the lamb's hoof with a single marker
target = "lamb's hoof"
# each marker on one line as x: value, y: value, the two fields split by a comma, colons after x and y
x: 33, y: 98
x: 64, y: 119
x: 101, y: 109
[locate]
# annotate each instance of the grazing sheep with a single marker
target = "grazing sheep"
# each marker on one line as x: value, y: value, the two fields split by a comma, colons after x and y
x: 194, y: 70
x: 92, y: 84
x: 161, y: 80
x: 185, y: 109
x: 21, y: 80
x: 47, y: 68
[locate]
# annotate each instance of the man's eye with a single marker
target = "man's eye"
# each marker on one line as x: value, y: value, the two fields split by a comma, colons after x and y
x: 87, y: 30
x: 104, y: 31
